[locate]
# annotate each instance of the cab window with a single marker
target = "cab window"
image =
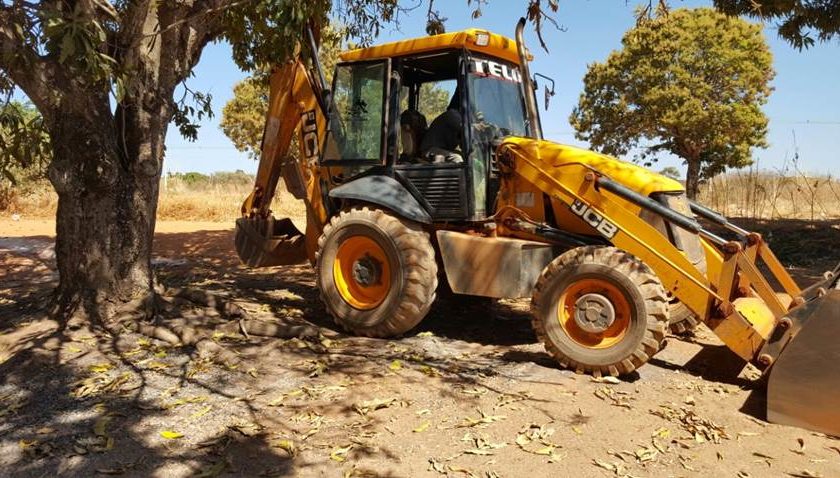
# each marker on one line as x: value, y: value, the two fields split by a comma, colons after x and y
x: 356, y: 122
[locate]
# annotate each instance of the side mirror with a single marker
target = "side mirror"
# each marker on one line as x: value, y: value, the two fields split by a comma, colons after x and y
x: 548, y: 93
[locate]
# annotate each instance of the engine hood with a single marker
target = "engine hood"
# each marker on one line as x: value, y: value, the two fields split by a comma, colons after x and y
x: 633, y: 176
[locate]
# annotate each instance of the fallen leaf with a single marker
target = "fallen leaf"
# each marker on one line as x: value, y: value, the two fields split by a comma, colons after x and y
x: 201, y: 412
x: 287, y: 445
x: 101, y: 367
x: 646, y: 454
x: 171, y: 435
x: 340, y: 454
x: 477, y: 451
x: 372, y: 405
x: 544, y: 451
x: 100, y: 426
x: 482, y: 420
x: 474, y: 391
x: 423, y: 427
x: 395, y: 366
x: 437, y: 466
x: 806, y: 474
x: 110, y: 471
x: 430, y: 371
x: 605, y: 465
x: 157, y: 365
x: 459, y: 469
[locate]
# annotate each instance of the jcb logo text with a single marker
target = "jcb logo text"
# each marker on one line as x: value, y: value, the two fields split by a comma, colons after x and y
x: 594, y: 219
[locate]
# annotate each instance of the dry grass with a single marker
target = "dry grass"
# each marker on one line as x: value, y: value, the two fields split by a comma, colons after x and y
x: 760, y: 194
x: 213, y: 201
x: 746, y: 193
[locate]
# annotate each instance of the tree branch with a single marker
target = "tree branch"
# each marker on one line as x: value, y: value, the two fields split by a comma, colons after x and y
x: 31, y: 72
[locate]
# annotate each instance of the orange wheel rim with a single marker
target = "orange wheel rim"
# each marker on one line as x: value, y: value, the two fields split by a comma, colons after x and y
x: 361, y: 272
x: 594, y: 313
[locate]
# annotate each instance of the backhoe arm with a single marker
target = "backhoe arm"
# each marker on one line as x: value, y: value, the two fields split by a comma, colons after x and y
x: 294, y: 106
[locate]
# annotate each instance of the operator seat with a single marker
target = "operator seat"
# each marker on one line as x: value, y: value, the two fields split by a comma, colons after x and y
x: 412, y: 130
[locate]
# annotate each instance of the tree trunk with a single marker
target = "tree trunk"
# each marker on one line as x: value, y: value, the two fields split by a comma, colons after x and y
x: 692, y: 178
x: 106, y: 169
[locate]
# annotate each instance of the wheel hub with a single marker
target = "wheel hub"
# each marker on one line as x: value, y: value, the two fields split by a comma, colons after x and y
x: 594, y: 313
x: 367, y: 271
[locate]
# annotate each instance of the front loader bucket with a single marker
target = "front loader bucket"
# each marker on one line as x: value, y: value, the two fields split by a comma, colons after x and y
x: 803, y: 389
x: 265, y: 242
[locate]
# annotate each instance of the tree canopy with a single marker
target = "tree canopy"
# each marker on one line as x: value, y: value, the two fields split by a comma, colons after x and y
x: 686, y: 82
x: 798, y: 20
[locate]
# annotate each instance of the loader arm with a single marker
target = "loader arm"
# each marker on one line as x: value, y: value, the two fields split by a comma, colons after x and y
x: 294, y: 107
x: 743, y: 325
x: 790, y: 334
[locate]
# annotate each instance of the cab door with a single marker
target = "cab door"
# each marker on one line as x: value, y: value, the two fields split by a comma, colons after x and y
x: 358, y: 126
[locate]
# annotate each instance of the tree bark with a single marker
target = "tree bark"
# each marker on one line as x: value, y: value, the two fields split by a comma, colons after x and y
x: 692, y: 177
x: 106, y: 170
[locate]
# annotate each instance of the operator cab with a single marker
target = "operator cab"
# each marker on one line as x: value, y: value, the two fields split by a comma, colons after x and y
x: 427, y: 112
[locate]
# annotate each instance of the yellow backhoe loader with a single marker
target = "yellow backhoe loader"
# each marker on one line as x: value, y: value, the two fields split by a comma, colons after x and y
x: 611, y: 254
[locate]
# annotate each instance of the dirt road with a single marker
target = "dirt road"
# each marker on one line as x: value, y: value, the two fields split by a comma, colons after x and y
x: 469, y: 393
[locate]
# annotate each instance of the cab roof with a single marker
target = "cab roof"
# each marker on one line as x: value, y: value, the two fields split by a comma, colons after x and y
x: 496, y: 46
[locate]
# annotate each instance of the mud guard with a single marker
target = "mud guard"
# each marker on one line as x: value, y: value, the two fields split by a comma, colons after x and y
x: 384, y: 191
x: 804, y: 382
x: 498, y: 267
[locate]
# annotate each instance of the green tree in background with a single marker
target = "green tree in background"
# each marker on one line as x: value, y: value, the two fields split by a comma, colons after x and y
x: 24, y: 144
x: 671, y: 172
x: 686, y: 82
x: 24, y: 150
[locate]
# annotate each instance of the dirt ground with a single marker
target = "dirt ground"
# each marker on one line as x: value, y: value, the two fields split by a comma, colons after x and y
x: 469, y: 393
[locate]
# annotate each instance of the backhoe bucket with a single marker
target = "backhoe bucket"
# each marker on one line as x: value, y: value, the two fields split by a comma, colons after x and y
x: 803, y: 389
x: 265, y: 242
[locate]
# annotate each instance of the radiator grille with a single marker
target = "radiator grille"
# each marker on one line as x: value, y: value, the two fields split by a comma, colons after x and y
x: 443, y: 193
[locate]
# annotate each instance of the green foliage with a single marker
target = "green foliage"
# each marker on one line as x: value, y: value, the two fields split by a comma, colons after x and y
x: 24, y: 144
x: 686, y: 82
x: 192, y: 108
x: 433, y: 101
x: 797, y: 20
x: 243, y: 117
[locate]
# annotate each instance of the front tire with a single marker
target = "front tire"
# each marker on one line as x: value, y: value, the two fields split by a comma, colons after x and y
x: 682, y: 320
x: 376, y: 273
x: 599, y: 310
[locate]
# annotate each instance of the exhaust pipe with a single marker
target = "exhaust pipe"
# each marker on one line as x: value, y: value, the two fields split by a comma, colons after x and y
x: 534, y: 127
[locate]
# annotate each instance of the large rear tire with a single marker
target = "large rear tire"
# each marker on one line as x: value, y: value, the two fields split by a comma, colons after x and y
x: 376, y: 273
x: 599, y: 310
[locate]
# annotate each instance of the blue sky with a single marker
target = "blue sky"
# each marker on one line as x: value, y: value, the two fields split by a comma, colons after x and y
x: 805, y: 103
